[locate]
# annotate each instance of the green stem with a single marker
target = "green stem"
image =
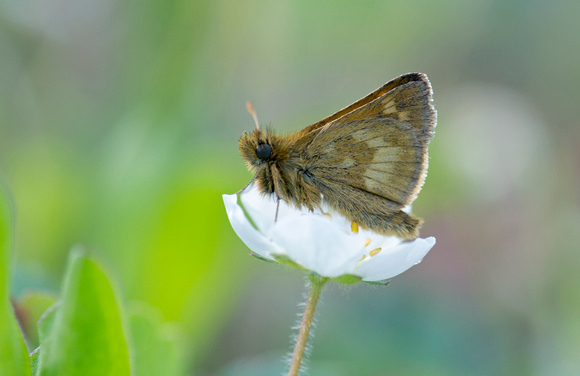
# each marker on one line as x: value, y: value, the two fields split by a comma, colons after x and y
x: 316, y: 283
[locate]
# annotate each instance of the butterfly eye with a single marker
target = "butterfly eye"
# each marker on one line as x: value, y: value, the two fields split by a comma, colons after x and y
x: 264, y: 151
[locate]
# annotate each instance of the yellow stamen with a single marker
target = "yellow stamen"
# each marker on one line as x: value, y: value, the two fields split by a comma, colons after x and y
x: 354, y: 227
x: 375, y: 251
x: 367, y: 242
x: 327, y: 215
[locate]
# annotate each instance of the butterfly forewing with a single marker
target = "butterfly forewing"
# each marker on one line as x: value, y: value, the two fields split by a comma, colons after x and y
x: 396, y: 82
x: 381, y: 147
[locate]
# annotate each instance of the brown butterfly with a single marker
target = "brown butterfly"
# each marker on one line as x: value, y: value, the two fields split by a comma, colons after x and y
x: 368, y: 161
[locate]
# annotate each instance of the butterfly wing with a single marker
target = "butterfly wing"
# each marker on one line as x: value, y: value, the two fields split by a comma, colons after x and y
x: 396, y: 82
x: 376, y: 147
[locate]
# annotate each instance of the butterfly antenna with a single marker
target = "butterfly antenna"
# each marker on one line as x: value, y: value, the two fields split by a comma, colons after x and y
x: 253, y: 113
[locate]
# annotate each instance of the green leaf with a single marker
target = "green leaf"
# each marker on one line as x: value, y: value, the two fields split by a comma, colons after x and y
x: 158, y: 345
x: 45, y: 325
x: 34, y: 361
x: 285, y: 260
x: 33, y: 305
x: 84, y: 335
x: 347, y: 279
x: 258, y: 257
x: 384, y: 282
x: 14, y: 359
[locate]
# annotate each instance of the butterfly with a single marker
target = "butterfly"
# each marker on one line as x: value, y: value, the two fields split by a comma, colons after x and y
x: 367, y: 161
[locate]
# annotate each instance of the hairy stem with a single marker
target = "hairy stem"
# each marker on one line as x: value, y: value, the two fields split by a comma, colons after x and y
x: 316, y: 283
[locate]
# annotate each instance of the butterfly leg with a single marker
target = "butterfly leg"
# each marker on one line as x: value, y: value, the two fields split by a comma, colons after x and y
x: 277, y: 209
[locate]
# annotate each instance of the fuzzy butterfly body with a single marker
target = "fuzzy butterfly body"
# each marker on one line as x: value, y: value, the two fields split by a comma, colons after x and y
x: 368, y: 161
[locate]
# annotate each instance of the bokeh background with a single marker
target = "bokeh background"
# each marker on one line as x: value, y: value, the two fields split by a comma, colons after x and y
x: 119, y: 123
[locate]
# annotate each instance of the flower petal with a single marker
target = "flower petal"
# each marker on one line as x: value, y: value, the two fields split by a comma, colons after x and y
x: 251, y: 237
x: 317, y: 244
x: 262, y: 209
x: 323, y: 244
x: 395, y: 260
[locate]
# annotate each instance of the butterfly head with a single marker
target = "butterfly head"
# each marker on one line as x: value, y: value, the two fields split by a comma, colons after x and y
x: 263, y: 148
x: 256, y: 148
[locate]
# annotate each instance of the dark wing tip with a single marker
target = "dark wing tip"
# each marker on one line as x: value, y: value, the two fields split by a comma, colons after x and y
x: 431, y: 122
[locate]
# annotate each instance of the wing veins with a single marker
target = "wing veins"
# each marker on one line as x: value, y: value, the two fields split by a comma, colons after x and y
x: 383, y: 183
x: 385, y: 172
x: 366, y: 177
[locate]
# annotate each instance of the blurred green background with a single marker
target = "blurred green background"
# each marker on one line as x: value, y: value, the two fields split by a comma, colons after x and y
x: 119, y: 124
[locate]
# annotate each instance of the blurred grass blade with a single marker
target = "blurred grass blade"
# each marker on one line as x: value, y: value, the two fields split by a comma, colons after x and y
x: 13, y: 355
x: 85, y: 335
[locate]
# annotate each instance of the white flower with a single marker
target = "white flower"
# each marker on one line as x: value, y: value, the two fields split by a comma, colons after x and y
x: 320, y: 241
